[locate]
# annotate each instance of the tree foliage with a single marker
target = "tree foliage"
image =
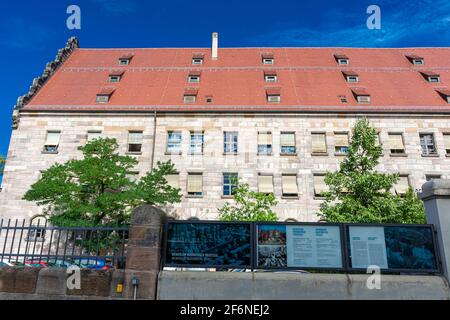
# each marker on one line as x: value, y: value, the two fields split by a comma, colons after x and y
x: 2, y: 164
x: 97, y: 189
x: 358, y: 193
x: 249, y: 206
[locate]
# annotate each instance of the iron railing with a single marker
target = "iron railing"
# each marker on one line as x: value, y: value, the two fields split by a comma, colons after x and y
x: 26, y: 244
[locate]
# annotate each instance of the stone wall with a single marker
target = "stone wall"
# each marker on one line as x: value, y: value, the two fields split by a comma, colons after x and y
x: 25, y: 158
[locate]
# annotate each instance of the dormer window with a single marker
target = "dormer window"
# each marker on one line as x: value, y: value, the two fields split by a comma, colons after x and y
x: 273, y: 95
x: 197, y: 59
x: 125, y: 60
x: 351, y: 76
x: 361, y: 95
x: 445, y: 94
x: 270, y: 76
x: 209, y: 99
x: 431, y: 76
x: 116, y: 76
x: 268, y: 58
x: 342, y: 59
x: 104, y: 96
x: 194, y: 77
x: 190, y: 95
x: 416, y: 60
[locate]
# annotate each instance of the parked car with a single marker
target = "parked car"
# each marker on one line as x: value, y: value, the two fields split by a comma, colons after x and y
x: 5, y: 264
x: 93, y: 264
x: 37, y: 264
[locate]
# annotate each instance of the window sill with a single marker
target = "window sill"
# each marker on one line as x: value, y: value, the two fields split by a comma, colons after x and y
x: 230, y: 153
x: 288, y: 154
x: 195, y: 153
x: 319, y: 154
x: 193, y: 197
x: 448, y: 155
x: 173, y: 153
x: 290, y: 197
x: 398, y: 155
x: 319, y: 198
x: 430, y: 155
x: 227, y: 197
x: 341, y: 154
x: 50, y: 152
x: 265, y: 154
x: 134, y: 153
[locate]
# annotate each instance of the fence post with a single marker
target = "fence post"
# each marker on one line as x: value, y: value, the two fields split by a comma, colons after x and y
x: 436, y: 197
x: 143, y: 258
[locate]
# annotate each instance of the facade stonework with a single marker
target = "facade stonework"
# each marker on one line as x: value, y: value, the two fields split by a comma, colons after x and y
x: 26, y: 159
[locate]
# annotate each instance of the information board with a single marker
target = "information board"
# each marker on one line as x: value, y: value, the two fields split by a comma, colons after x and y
x: 208, y: 245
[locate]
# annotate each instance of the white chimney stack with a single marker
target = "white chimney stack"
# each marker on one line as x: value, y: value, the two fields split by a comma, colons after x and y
x: 215, y: 46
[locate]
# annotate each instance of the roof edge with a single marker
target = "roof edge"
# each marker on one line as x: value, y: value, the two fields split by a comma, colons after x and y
x: 38, y: 83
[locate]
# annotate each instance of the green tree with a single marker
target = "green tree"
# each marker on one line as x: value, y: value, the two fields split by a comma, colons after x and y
x: 2, y: 164
x: 358, y: 193
x: 249, y: 205
x: 97, y: 189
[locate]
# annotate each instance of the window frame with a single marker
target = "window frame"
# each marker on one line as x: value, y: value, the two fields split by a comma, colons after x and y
x: 48, y: 147
x: 192, y: 77
x: 230, y: 142
x: 289, y: 195
x: 229, y: 184
x: 267, y: 147
x: 194, y: 194
x: 268, y: 61
x: 424, y: 145
x: 294, y: 152
x: 129, y: 145
x: 271, y: 78
x: 186, y: 98
x: 197, y: 61
x: 193, y: 144
x: 173, y: 142
x: 336, y: 146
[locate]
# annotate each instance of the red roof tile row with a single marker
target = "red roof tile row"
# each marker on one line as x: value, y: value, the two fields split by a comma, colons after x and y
x: 307, y: 78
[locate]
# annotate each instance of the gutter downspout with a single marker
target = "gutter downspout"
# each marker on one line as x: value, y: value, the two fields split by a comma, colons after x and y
x: 154, y: 139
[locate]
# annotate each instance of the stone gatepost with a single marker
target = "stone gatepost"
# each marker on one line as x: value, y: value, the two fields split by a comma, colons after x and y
x: 144, y: 252
x: 436, y: 197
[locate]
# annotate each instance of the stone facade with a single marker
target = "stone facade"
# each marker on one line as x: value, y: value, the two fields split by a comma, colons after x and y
x: 26, y: 160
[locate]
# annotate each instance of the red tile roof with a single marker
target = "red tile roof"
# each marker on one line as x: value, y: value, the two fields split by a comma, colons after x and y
x: 117, y: 73
x: 309, y: 79
x: 360, y: 92
x: 106, y: 91
x: 349, y: 73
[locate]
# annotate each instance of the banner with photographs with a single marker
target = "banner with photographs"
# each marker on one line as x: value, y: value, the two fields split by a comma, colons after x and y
x: 393, y: 247
x: 208, y: 245
x: 299, y: 246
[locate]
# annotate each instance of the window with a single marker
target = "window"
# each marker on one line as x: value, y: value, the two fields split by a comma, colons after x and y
x: 92, y: 135
x: 445, y: 94
x: 190, y: 95
x: 268, y: 58
x: 341, y: 143
x: 351, y: 76
x: 174, y: 142
x: 402, y: 186
x: 189, y: 99
x: 430, y: 177
x: 173, y: 180
x: 230, y: 142
x: 427, y: 144
x: 124, y: 62
x: 431, y: 76
x: 229, y: 184
x: 416, y: 60
x: 270, y: 76
x: 363, y: 99
x: 396, y: 144
x: 135, y: 140
x: 319, y: 143
x: 273, y: 95
x: 265, y: 143
x: 197, y: 142
x: 194, y: 77
x: 38, y: 227
x: 447, y: 143
x: 288, y: 145
x: 289, y: 185
x: 265, y: 184
x: 341, y: 59
x: 52, y: 142
x: 195, y: 184
x: 104, y: 96
x: 209, y: 99
x: 320, y: 187
x: 116, y: 76
x: 197, y: 59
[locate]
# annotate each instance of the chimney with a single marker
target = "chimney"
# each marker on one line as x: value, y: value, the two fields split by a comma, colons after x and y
x: 215, y: 46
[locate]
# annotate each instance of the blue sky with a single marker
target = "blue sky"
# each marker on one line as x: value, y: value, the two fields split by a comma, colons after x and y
x: 31, y: 32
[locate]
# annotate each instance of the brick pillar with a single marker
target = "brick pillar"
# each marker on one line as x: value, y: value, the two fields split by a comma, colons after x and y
x: 144, y: 252
x: 436, y: 197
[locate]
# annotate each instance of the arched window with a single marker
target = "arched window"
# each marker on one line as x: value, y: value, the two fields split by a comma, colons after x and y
x: 38, y: 225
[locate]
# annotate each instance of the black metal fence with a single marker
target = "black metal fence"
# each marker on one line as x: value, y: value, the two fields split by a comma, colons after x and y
x: 40, y: 245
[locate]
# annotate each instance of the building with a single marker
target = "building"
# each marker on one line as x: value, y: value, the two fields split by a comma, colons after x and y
x: 279, y: 118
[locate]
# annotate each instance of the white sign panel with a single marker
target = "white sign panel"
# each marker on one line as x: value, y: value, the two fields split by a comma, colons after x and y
x: 314, y: 246
x: 368, y: 247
